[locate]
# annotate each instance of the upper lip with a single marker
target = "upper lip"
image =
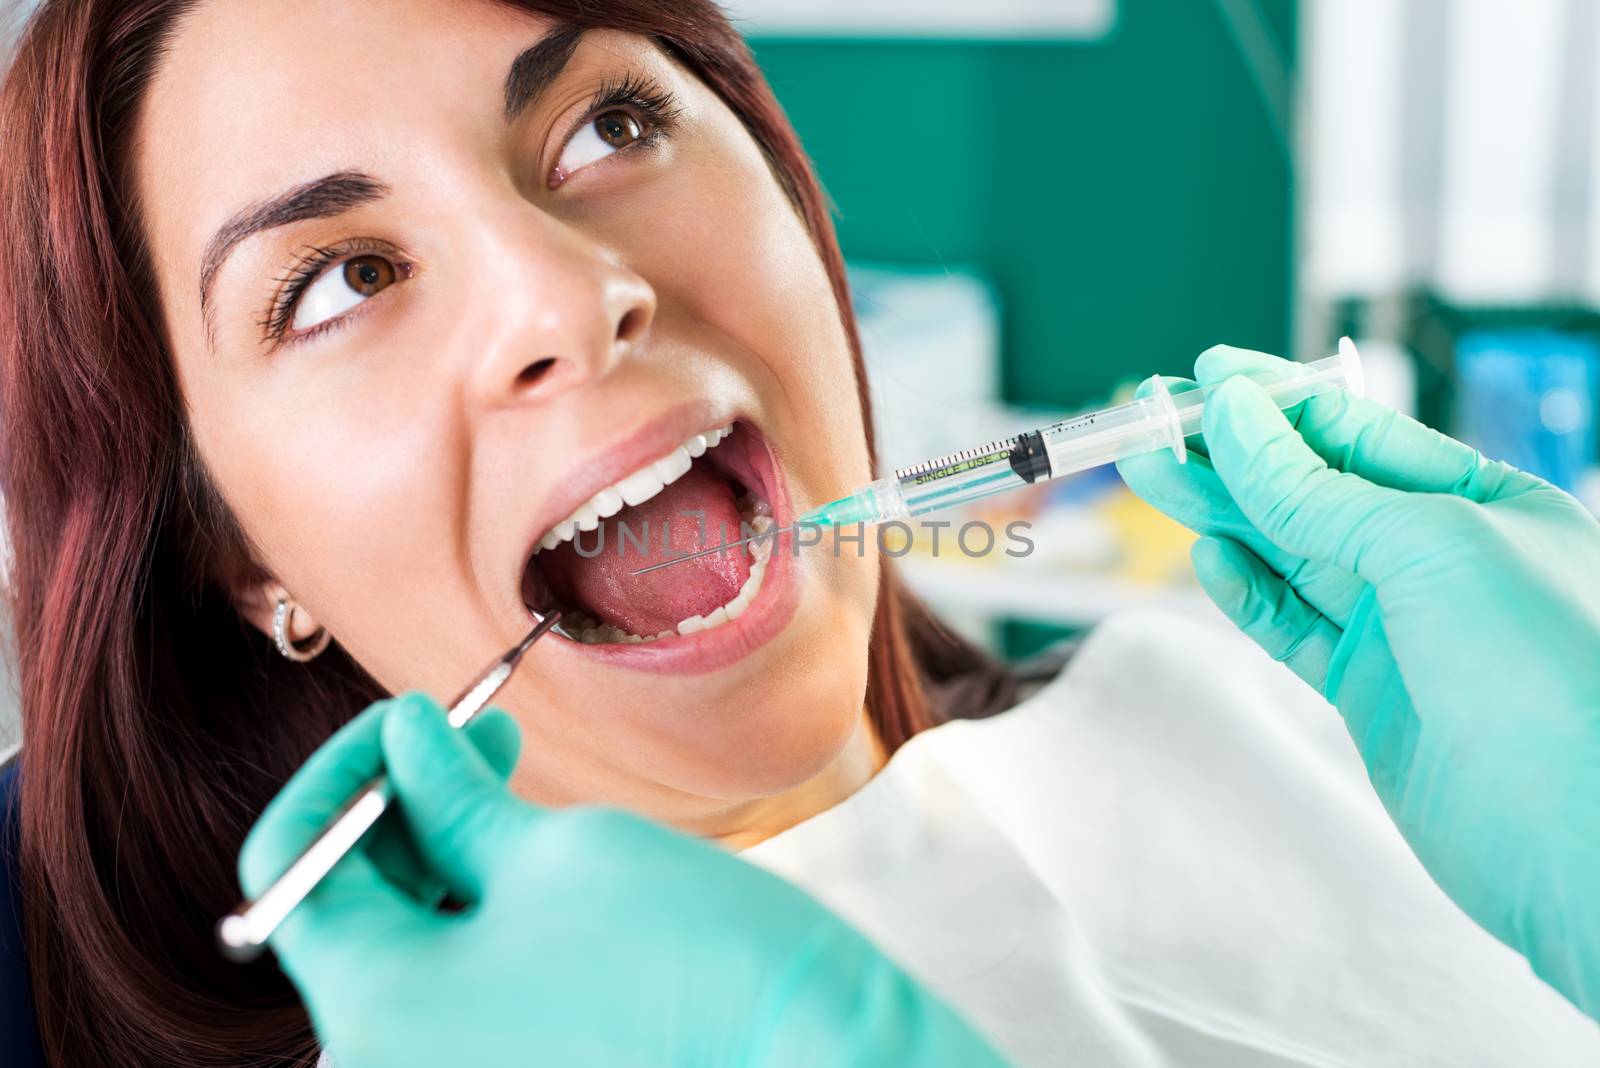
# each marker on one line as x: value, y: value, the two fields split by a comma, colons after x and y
x: 588, y: 474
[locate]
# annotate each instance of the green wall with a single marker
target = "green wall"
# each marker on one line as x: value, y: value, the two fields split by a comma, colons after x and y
x: 1129, y: 196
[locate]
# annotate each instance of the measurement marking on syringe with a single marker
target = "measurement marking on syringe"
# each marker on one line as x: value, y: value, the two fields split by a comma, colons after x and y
x: 957, y: 463
x: 1067, y: 425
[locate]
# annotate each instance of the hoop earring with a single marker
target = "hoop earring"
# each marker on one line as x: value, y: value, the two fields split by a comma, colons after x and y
x: 280, y: 635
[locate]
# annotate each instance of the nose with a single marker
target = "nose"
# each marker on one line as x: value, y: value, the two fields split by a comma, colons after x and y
x: 555, y: 310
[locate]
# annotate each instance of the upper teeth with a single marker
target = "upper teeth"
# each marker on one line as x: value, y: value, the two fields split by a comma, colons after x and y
x: 636, y: 488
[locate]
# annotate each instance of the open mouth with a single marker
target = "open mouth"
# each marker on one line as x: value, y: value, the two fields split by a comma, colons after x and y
x: 713, y: 488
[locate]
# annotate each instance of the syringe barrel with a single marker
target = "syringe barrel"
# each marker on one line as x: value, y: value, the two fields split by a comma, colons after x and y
x: 1162, y: 419
x: 1103, y: 437
x: 959, y: 478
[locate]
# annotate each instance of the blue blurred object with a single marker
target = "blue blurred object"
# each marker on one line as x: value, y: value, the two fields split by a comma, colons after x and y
x: 19, y: 1042
x: 1528, y: 397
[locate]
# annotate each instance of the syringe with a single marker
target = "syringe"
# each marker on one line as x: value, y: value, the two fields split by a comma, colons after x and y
x: 1159, y: 420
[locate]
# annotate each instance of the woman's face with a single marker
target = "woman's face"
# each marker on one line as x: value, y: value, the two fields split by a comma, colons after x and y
x: 430, y: 294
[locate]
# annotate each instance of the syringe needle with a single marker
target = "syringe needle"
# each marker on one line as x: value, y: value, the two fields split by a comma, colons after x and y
x: 724, y: 547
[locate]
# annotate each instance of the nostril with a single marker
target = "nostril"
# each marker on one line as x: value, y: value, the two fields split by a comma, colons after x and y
x: 535, y: 371
x: 631, y: 325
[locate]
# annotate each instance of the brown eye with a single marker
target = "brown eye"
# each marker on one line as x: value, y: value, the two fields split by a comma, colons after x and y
x: 618, y: 128
x: 341, y: 286
x: 368, y: 274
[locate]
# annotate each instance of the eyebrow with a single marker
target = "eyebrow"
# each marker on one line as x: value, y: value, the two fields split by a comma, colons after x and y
x: 319, y: 199
x: 531, y: 73
x: 537, y: 66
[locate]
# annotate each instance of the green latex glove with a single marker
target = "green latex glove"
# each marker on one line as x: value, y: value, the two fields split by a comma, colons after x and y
x: 1449, y: 607
x: 590, y: 936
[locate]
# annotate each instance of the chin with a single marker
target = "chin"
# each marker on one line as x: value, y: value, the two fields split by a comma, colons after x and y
x: 784, y: 729
x: 763, y: 725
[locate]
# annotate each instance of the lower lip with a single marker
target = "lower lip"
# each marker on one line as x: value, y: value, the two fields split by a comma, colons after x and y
x: 718, y: 647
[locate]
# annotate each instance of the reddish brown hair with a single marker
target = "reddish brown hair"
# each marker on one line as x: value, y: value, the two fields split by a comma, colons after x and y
x: 157, y: 724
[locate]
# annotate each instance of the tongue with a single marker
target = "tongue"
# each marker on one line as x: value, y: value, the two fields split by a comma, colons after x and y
x: 604, y: 584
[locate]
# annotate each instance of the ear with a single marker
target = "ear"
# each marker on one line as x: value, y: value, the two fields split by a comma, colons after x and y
x: 257, y: 602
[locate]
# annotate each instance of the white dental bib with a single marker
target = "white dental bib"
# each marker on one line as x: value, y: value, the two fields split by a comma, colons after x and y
x: 1170, y: 855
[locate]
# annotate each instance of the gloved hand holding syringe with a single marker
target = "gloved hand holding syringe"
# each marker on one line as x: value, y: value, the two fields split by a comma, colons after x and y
x: 1159, y: 420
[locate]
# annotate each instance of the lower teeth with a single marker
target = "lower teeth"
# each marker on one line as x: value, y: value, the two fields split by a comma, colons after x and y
x: 754, y: 514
